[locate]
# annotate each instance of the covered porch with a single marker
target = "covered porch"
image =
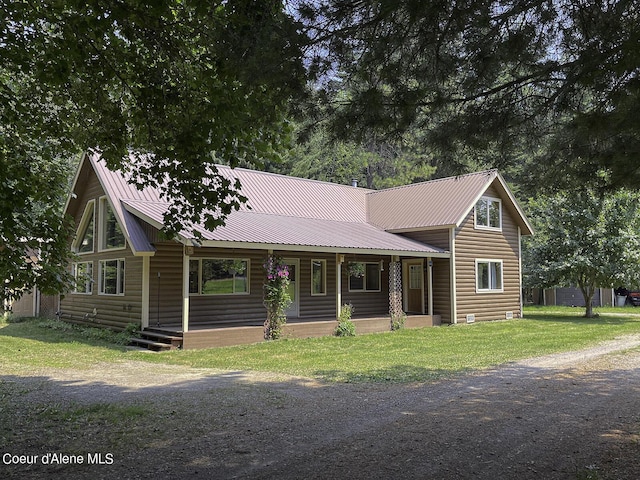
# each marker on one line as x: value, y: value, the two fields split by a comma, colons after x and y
x: 214, y: 335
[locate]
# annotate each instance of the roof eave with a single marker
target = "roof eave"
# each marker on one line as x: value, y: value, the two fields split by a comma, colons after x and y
x: 318, y: 249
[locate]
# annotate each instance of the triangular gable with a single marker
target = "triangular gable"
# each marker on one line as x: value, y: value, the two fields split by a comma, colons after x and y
x: 109, y: 181
x: 435, y: 204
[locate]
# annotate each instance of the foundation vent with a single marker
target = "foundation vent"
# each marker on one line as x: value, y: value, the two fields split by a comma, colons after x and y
x: 471, y: 318
x: 508, y: 315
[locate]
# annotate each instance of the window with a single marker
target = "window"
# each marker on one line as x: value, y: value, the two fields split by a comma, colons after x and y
x: 318, y: 277
x: 488, y: 213
x: 111, y: 275
x: 83, y: 277
x: 488, y: 275
x: 83, y: 242
x: 364, y: 277
x: 218, y: 276
x: 111, y: 233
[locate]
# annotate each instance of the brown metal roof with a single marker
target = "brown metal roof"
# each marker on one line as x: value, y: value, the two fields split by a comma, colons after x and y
x: 436, y: 203
x: 304, y: 213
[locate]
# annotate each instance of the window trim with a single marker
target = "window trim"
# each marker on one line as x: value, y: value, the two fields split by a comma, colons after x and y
x: 88, y: 283
x: 87, y: 216
x: 104, y: 201
x: 479, y: 226
x: 323, y: 267
x: 199, y: 292
x: 120, y: 277
x: 364, y: 282
x: 489, y: 261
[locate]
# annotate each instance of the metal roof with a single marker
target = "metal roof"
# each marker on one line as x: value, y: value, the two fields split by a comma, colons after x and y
x: 307, y: 214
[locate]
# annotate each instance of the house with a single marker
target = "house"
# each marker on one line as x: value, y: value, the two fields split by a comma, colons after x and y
x: 446, y: 250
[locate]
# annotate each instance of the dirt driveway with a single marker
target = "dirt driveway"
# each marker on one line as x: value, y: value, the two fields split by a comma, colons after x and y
x: 568, y: 416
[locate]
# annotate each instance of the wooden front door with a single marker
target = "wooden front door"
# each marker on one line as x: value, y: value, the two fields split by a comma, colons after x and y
x: 413, y: 286
x: 294, y: 287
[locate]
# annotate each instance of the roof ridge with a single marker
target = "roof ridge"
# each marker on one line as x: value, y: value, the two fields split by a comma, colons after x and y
x: 290, y: 177
x: 491, y: 171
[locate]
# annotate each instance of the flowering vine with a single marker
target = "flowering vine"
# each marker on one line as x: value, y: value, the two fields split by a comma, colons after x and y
x: 276, y: 296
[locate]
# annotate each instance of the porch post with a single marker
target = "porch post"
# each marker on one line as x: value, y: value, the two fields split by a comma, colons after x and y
x: 185, y: 292
x: 395, y: 287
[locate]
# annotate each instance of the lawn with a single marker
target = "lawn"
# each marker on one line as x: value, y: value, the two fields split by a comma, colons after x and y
x: 399, y: 357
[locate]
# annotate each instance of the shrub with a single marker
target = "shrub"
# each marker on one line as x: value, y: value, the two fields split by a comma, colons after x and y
x: 345, y: 328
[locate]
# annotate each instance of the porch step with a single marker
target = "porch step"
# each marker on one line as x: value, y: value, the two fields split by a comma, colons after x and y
x: 157, y: 341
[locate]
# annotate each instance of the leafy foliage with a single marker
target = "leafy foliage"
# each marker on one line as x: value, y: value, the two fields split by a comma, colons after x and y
x: 276, y: 296
x: 346, y: 327
x: 538, y: 82
x: 184, y: 82
x: 586, y: 240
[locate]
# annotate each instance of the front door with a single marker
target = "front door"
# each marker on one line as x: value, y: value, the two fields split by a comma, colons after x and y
x: 413, y: 286
x: 294, y: 266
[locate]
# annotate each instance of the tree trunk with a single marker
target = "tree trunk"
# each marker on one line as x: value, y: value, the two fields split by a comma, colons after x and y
x: 588, y: 291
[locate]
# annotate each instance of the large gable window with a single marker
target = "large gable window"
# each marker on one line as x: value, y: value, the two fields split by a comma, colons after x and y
x: 488, y: 276
x: 364, y: 277
x: 218, y: 276
x: 488, y: 213
x: 83, y: 242
x: 111, y: 233
x: 111, y: 275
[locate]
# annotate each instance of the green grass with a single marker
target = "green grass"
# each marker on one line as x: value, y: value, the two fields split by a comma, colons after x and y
x: 36, y: 343
x: 398, y: 357
x: 415, y: 355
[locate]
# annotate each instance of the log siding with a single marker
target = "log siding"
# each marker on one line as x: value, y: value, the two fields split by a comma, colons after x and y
x: 473, y: 244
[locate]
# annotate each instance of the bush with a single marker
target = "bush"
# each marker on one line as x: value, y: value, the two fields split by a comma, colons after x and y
x: 345, y: 328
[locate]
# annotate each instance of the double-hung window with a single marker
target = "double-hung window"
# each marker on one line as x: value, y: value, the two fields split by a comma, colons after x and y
x: 111, y: 275
x: 318, y: 277
x: 489, y: 276
x: 364, y: 277
x: 218, y: 276
x: 83, y: 277
x: 488, y: 214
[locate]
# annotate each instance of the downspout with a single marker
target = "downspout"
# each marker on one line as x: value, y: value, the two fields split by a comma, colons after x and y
x: 146, y: 273
x: 430, y: 286
x: 452, y: 266
x: 185, y: 291
x: 339, y: 260
x: 520, y: 271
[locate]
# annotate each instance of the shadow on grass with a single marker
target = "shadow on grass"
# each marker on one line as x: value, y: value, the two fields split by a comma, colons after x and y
x: 56, y: 331
x: 234, y: 426
x: 398, y: 374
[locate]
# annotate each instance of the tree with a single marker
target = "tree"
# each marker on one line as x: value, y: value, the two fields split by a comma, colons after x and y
x: 586, y: 240
x: 554, y: 83
x: 161, y: 89
x: 373, y: 165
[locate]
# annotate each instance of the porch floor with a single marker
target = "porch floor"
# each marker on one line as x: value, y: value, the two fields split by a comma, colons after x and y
x: 217, y: 334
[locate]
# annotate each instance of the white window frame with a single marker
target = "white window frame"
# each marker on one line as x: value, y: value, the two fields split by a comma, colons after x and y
x: 88, y: 215
x: 489, y: 262
x: 88, y: 281
x: 364, y: 281
x: 323, y: 267
x: 488, y: 201
x: 120, y: 277
x: 104, y: 204
x: 234, y: 293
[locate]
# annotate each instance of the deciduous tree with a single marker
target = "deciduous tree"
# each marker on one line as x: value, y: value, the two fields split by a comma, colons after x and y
x: 585, y: 240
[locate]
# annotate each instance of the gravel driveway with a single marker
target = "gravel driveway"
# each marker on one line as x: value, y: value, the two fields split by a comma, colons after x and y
x: 568, y: 416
